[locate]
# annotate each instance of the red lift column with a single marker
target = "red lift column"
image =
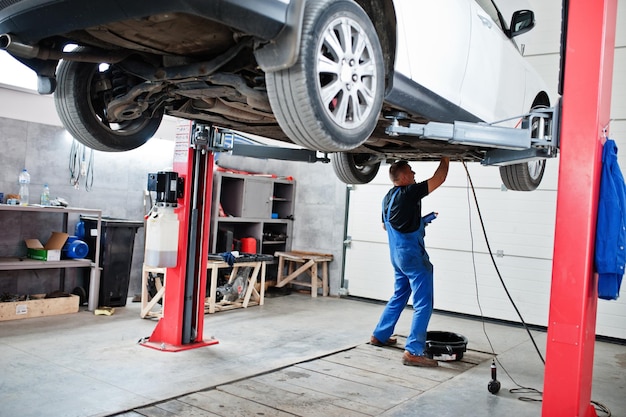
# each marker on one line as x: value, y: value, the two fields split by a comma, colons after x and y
x: 585, y: 116
x: 182, y: 324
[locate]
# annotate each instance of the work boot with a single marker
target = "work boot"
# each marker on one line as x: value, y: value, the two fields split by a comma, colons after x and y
x: 418, y: 360
x: 390, y: 342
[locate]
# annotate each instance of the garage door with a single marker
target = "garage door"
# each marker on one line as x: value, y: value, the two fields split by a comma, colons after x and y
x: 520, y: 228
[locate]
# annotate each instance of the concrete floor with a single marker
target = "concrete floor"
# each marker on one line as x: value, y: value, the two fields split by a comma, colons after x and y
x: 86, y: 365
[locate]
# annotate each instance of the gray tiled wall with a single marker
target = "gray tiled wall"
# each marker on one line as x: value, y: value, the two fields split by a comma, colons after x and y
x: 118, y: 187
x: 320, y: 206
x: 118, y: 190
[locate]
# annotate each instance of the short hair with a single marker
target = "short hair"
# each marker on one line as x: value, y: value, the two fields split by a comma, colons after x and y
x: 396, y: 169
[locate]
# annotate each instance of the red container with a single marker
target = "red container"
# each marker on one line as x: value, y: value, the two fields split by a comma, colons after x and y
x: 248, y: 245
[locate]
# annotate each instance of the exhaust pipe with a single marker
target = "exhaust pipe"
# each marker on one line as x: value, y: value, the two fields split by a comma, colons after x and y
x: 9, y: 44
x: 17, y: 48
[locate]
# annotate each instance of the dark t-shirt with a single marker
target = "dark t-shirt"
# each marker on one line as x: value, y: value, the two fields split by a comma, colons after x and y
x: 406, y: 210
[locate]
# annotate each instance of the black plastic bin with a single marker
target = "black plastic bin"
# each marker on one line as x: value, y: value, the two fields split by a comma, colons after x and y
x: 116, y: 256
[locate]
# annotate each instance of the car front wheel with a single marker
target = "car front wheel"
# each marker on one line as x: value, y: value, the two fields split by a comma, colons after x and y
x: 354, y: 168
x: 524, y: 176
x: 331, y: 98
x: 81, y: 101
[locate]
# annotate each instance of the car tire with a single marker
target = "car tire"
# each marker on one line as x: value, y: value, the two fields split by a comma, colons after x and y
x: 523, y: 177
x: 353, y: 168
x: 82, y: 112
x: 334, y: 107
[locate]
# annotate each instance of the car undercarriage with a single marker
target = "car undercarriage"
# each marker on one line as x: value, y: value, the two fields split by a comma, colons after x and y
x: 115, y: 78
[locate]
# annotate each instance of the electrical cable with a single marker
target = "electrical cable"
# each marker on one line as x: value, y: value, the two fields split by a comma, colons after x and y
x: 74, y: 164
x: 79, y: 167
x: 89, y: 172
x: 495, y: 265
x: 521, y: 389
x: 602, y: 408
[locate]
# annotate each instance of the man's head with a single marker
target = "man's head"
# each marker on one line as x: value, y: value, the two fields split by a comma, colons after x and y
x: 400, y: 173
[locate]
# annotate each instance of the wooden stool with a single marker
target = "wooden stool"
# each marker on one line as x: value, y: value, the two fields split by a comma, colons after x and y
x: 147, y: 306
x: 309, y: 261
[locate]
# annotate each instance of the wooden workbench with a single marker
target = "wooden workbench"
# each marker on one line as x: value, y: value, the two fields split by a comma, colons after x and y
x: 309, y: 262
x: 251, y: 297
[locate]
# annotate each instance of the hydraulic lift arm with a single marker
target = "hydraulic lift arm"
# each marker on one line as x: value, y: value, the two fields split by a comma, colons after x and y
x: 537, y: 138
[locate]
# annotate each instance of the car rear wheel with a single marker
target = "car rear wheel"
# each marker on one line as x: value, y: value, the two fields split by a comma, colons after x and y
x: 331, y: 98
x: 81, y: 99
x: 354, y: 168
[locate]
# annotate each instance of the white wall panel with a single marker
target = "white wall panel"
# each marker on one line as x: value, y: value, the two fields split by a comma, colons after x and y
x: 611, y: 318
x: 545, y: 38
x: 620, y: 30
x: 519, y: 224
x: 618, y: 132
x: 370, y: 272
x: 528, y: 283
x: 548, y: 67
x: 618, y: 93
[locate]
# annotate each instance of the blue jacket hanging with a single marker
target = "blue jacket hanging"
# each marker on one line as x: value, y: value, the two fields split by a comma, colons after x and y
x: 610, y: 255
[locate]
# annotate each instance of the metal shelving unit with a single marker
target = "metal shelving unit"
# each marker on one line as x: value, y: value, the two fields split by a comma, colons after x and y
x: 254, y: 206
x: 16, y: 263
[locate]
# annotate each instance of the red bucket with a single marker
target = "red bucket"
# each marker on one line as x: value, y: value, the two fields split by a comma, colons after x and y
x: 248, y: 245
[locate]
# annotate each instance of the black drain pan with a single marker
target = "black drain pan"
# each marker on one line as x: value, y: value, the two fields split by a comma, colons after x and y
x: 445, y: 346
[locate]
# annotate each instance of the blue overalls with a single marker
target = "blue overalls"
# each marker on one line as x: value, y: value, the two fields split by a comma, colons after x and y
x: 413, y: 273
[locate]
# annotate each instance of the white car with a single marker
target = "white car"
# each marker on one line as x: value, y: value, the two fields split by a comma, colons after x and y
x: 329, y: 75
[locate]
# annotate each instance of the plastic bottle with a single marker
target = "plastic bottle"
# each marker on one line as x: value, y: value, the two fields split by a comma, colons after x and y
x: 24, y: 180
x: 45, y: 196
x: 79, y: 229
x: 162, y: 238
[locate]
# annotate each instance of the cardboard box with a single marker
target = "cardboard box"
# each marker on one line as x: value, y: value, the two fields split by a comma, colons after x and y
x: 38, y: 306
x: 51, y: 251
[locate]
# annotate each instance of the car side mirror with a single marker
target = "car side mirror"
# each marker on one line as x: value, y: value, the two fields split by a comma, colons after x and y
x: 521, y: 22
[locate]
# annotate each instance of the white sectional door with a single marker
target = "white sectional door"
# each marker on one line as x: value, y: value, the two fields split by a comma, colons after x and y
x: 520, y: 227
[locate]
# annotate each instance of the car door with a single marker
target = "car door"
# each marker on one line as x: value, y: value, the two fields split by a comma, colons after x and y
x: 494, y: 84
x: 433, y: 44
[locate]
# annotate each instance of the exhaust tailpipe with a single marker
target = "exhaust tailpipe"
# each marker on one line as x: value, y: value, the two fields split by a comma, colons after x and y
x: 9, y: 44
x: 15, y: 47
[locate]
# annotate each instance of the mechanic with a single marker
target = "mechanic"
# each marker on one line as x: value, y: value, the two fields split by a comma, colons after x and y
x: 402, y: 219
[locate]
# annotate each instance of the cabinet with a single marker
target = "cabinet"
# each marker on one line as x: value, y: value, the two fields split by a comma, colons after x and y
x: 13, y: 263
x: 244, y: 206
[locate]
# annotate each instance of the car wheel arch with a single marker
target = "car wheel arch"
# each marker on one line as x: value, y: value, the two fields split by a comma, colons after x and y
x: 381, y: 13
x: 78, y: 110
x: 541, y: 99
x: 345, y: 116
x: 383, y: 17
